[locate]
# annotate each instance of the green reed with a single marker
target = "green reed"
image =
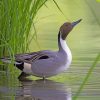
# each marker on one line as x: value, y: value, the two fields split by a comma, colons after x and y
x: 16, y: 20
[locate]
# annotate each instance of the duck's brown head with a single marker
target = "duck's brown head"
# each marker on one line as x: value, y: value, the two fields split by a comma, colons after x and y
x: 67, y: 27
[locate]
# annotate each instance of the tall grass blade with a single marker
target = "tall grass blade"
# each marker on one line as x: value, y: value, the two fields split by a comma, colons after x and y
x: 87, y: 77
x: 58, y: 7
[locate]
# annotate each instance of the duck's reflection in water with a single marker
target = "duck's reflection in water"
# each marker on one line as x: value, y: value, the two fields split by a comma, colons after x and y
x: 43, y: 90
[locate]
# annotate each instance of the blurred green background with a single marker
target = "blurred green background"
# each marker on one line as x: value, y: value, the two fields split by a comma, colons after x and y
x: 84, y: 42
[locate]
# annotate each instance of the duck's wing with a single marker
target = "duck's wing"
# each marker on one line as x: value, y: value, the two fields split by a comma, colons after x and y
x: 33, y: 56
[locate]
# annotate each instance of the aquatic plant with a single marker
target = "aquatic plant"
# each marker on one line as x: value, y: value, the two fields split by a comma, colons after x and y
x: 16, y: 20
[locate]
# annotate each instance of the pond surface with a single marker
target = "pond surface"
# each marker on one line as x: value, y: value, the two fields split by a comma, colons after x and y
x: 84, y: 42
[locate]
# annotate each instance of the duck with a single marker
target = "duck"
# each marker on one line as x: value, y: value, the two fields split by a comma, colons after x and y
x: 47, y: 63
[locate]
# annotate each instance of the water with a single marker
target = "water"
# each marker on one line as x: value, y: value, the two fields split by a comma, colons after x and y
x: 36, y: 90
x: 84, y: 42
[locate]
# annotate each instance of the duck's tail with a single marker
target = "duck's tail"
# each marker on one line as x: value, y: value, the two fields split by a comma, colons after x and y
x: 8, y: 60
x: 18, y: 64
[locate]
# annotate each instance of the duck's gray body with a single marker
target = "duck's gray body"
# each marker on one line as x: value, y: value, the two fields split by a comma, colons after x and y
x: 56, y: 63
x: 47, y: 63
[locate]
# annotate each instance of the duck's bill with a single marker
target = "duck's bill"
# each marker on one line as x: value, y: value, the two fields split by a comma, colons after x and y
x: 75, y: 23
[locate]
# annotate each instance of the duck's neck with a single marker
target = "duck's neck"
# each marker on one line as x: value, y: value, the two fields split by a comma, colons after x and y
x: 63, y: 47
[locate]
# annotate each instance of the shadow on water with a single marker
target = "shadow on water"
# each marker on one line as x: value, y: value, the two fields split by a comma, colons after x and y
x: 36, y: 90
x: 42, y: 90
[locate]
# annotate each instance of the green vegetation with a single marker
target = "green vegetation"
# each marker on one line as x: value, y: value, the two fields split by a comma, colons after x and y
x: 16, y: 20
x: 98, y: 0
